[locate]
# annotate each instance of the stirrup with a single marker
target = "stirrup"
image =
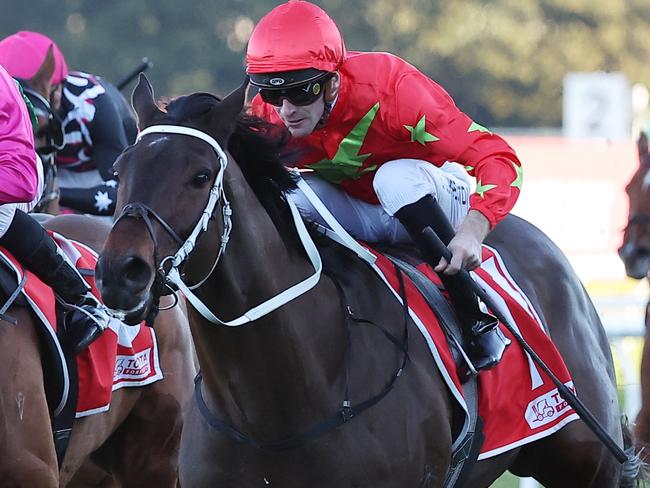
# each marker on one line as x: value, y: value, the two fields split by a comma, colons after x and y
x: 84, y: 324
x: 486, y: 348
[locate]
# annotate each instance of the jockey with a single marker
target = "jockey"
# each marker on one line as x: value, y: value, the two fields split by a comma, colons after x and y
x: 21, y: 181
x: 384, y: 142
x: 96, y: 121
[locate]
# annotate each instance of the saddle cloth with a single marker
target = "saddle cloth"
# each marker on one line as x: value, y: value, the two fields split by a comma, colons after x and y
x: 123, y: 356
x: 517, y: 402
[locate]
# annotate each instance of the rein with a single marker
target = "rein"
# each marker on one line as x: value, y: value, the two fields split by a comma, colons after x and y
x: 347, y: 411
x: 171, y: 278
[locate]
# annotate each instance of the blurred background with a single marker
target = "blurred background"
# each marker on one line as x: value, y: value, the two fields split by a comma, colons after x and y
x: 563, y: 80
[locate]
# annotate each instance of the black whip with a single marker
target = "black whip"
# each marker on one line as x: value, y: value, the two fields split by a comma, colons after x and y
x: 144, y: 65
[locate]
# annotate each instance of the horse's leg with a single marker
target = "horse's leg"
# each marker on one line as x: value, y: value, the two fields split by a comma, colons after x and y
x: 642, y: 428
x: 27, y: 456
x: 90, y: 433
x: 570, y: 458
x: 485, y: 472
x: 150, y: 437
x: 91, y: 475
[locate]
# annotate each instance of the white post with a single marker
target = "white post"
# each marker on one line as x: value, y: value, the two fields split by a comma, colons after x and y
x: 630, y: 377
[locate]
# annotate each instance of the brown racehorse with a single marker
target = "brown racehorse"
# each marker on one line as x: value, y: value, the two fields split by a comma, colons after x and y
x: 134, y: 444
x: 284, y: 373
x: 635, y: 253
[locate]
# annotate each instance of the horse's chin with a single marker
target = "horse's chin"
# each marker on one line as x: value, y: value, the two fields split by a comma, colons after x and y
x: 135, y: 315
x: 637, y: 268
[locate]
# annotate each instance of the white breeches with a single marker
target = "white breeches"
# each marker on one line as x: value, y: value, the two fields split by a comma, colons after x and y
x: 397, y: 184
x: 8, y: 210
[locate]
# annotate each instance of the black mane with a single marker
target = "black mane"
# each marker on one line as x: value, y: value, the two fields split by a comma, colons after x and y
x: 258, y: 147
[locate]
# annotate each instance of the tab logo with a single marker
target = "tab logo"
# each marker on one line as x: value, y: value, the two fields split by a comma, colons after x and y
x: 546, y: 408
x: 135, y: 367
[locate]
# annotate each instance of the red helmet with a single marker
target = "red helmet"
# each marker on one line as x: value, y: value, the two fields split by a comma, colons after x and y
x: 293, y: 37
x: 23, y: 53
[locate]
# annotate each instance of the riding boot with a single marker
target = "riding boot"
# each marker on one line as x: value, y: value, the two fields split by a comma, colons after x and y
x: 86, y: 318
x: 484, y: 341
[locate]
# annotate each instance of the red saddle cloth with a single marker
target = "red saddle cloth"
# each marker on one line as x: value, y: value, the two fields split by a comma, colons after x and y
x: 122, y: 356
x: 517, y: 402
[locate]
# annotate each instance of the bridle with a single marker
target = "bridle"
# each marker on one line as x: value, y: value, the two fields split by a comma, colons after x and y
x: 168, y: 276
x: 171, y: 277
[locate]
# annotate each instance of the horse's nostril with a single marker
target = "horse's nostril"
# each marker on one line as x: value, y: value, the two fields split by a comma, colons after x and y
x: 136, y: 271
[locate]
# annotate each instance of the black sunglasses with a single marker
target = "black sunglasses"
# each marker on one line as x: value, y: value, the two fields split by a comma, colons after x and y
x: 300, y: 95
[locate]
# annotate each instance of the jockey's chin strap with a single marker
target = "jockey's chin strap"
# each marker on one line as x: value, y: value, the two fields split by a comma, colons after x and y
x: 217, y: 193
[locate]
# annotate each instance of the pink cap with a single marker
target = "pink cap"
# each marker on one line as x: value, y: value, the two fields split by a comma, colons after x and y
x: 23, y: 53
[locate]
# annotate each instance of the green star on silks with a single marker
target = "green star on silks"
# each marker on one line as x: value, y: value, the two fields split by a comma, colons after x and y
x: 347, y: 162
x: 481, y: 188
x: 520, y: 176
x: 419, y: 132
x: 477, y: 127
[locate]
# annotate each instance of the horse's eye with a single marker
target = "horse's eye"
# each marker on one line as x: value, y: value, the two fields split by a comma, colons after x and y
x: 116, y: 176
x: 200, y: 180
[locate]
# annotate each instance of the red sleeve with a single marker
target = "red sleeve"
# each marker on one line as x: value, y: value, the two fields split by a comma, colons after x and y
x: 427, y: 115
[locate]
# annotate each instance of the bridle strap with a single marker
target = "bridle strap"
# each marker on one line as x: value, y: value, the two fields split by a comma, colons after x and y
x: 142, y: 211
x: 272, y: 303
x: 215, y: 192
x: 172, y: 276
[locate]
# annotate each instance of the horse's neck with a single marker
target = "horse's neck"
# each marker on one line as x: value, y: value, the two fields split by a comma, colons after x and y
x: 282, y: 356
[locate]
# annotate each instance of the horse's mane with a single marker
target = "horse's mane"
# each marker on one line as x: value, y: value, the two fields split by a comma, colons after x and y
x: 258, y: 148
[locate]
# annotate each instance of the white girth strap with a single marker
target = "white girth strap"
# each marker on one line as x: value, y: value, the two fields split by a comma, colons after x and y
x: 336, y: 231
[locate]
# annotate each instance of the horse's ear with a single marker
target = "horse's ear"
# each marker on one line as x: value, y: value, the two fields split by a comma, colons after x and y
x: 231, y: 106
x: 642, y: 146
x: 41, y: 81
x: 143, y: 102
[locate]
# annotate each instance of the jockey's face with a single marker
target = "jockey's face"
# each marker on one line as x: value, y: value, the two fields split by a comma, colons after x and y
x: 301, y: 120
x: 55, y: 96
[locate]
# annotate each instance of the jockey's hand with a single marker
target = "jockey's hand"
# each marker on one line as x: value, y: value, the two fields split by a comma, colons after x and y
x: 465, y: 247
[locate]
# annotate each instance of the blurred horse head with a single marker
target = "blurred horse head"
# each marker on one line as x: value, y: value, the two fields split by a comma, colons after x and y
x: 635, y: 250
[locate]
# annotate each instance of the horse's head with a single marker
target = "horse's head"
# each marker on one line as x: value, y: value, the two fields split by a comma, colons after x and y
x: 635, y: 251
x: 170, y: 185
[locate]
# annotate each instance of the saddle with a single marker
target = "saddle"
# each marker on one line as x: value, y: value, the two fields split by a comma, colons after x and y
x: 82, y: 384
x: 467, y: 443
